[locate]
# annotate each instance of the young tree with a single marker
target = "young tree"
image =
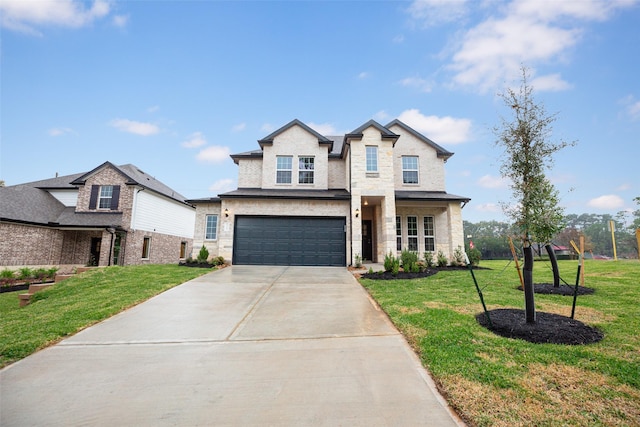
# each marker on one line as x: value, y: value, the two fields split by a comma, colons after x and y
x: 528, y: 154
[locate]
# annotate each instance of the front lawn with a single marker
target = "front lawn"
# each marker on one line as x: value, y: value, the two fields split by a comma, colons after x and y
x: 494, y: 381
x: 78, y: 302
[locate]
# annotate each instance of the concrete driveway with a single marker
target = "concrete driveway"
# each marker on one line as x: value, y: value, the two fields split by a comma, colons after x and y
x: 243, y: 346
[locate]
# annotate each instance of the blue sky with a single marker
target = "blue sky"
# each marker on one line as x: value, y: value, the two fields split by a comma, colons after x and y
x: 175, y: 87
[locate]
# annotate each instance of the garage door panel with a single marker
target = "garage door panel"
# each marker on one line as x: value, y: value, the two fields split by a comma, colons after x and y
x: 289, y: 241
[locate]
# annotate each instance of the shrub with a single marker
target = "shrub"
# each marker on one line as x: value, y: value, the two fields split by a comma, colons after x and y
x: 218, y: 260
x: 395, y: 267
x: 389, y: 259
x: 203, y: 255
x: 409, y: 260
x: 358, y: 261
x: 428, y: 259
x: 458, y: 257
x: 40, y: 274
x: 25, y: 273
x: 474, y: 256
x: 7, y: 277
x: 442, y: 259
x: 51, y: 273
x: 370, y: 270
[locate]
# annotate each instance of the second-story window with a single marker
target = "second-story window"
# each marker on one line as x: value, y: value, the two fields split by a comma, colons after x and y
x: 305, y: 170
x: 106, y: 193
x: 283, y: 169
x: 372, y: 158
x: 104, y: 197
x: 409, y: 169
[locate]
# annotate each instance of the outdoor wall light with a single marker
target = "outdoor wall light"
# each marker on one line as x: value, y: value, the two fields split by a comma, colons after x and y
x: 357, y: 213
x: 226, y: 213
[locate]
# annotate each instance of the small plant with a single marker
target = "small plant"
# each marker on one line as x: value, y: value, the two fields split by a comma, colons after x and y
x: 389, y: 259
x: 189, y: 261
x: 51, y: 273
x: 40, y: 274
x: 442, y: 259
x: 409, y: 261
x: 7, y: 277
x: 474, y: 256
x: 217, y: 261
x: 428, y: 259
x: 458, y: 257
x: 395, y: 268
x: 25, y: 273
x: 358, y: 261
x: 370, y: 270
x: 203, y: 255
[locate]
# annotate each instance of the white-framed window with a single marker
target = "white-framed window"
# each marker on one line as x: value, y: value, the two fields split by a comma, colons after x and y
x: 305, y: 170
x: 409, y: 169
x: 283, y: 169
x: 211, y: 227
x: 105, y: 196
x: 429, y: 234
x: 146, y: 247
x: 412, y: 233
x: 372, y: 158
x: 398, y: 233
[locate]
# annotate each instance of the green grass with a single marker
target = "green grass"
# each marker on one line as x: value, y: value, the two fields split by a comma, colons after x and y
x: 491, y: 380
x: 78, y: 302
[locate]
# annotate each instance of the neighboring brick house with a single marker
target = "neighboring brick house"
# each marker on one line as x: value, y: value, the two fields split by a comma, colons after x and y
x: 110, y: 215
x: 310, y: 199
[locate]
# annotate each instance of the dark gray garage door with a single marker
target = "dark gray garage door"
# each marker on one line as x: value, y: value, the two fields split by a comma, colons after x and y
x: 268, y: 240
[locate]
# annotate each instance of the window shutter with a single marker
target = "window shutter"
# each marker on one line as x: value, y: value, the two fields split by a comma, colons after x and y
x: 95, y: 189
x: 115, y: 197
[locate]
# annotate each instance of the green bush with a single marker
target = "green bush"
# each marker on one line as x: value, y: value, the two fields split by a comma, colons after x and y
x: 428, y: 259
x: 458, y: 257
x: 25, y: 273
x: 218, y: 260
x: 203, y: 255
x: 409, y: 261
x: 395, y: 267
x: 442, y: 259
x: 358, y: 261
x: 474, y: 256
x: 389, y: 259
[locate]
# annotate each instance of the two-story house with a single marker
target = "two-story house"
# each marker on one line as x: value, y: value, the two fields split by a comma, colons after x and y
x: 110, y: 215
x: 308, y: 199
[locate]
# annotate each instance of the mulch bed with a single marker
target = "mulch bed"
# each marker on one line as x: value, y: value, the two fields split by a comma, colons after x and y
x: 549, y: 328
x: 387, y: 275
x: 549, y: 289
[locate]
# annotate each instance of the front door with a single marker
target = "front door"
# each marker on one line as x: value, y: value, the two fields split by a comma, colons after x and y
x: 367, y: 240
x: 94, y: 257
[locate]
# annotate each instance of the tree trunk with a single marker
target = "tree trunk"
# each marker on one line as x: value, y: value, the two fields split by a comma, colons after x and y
x: 527, y: 271
x: 554, y: 265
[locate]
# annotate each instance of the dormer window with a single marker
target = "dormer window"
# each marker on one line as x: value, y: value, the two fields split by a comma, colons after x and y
x: 409, y: 169
x: 283, y: 169
x: 305, y: 170
x: 104, y: 197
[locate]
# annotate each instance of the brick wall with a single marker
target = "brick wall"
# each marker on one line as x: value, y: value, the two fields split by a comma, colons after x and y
x: 164, y: 249
x: 37, y: 245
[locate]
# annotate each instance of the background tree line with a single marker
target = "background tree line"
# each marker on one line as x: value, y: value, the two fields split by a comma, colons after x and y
x: 491, y: 237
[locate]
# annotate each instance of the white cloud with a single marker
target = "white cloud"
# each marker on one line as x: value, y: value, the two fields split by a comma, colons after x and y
x: 195, y: 140
x: 267, y: 127
x: 222, y: 185
x: 398, y: 39
x: 60, y: 131
x: 418, y: 83
x: 624, y: 187
x: 381, y: 116
x: 363, y: 75
x: 487, y: 207
x: 550, y: 83
x: 25, y: 16
x: 153, y: 109
x: 632, y: 107
x: 606, y: 202
x: 439, y: 129
x: 239, y: 127
x: 213, y: 154
x: 138, y: 128
x: 488, y: 181
x: 433, y: 12
x: 120, y: 21
x: 526, y: 32
x: 323, y: 129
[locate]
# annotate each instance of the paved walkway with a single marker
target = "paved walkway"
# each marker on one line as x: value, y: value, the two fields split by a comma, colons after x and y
x: 243, y: 346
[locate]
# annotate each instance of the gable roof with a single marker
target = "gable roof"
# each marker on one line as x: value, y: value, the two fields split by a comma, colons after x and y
x: 323, y: 140
x: 442, y: 153
x: 134, y: 176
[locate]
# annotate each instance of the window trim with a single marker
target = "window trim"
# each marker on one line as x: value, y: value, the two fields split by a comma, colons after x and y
x: 426, y: 236
x: 412, y: 237
x: 398, y: 233
x: 308, y: 171
x: 206, y: 226
x: 416, y: 170
x: 146, y: 247
x: 373, y: 160
x: 106, y: 199
x: 290, y: 170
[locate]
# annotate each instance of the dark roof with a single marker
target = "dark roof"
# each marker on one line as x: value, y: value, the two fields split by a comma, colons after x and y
x: 430, y: 196
x: 259, y: 193
x: 255, y: 154
x: 71, y: 218
x: 28, y: 204
x: 204, y: 200
x: 269, y: 138
x: 386, y: 133
x: 441, y: 151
